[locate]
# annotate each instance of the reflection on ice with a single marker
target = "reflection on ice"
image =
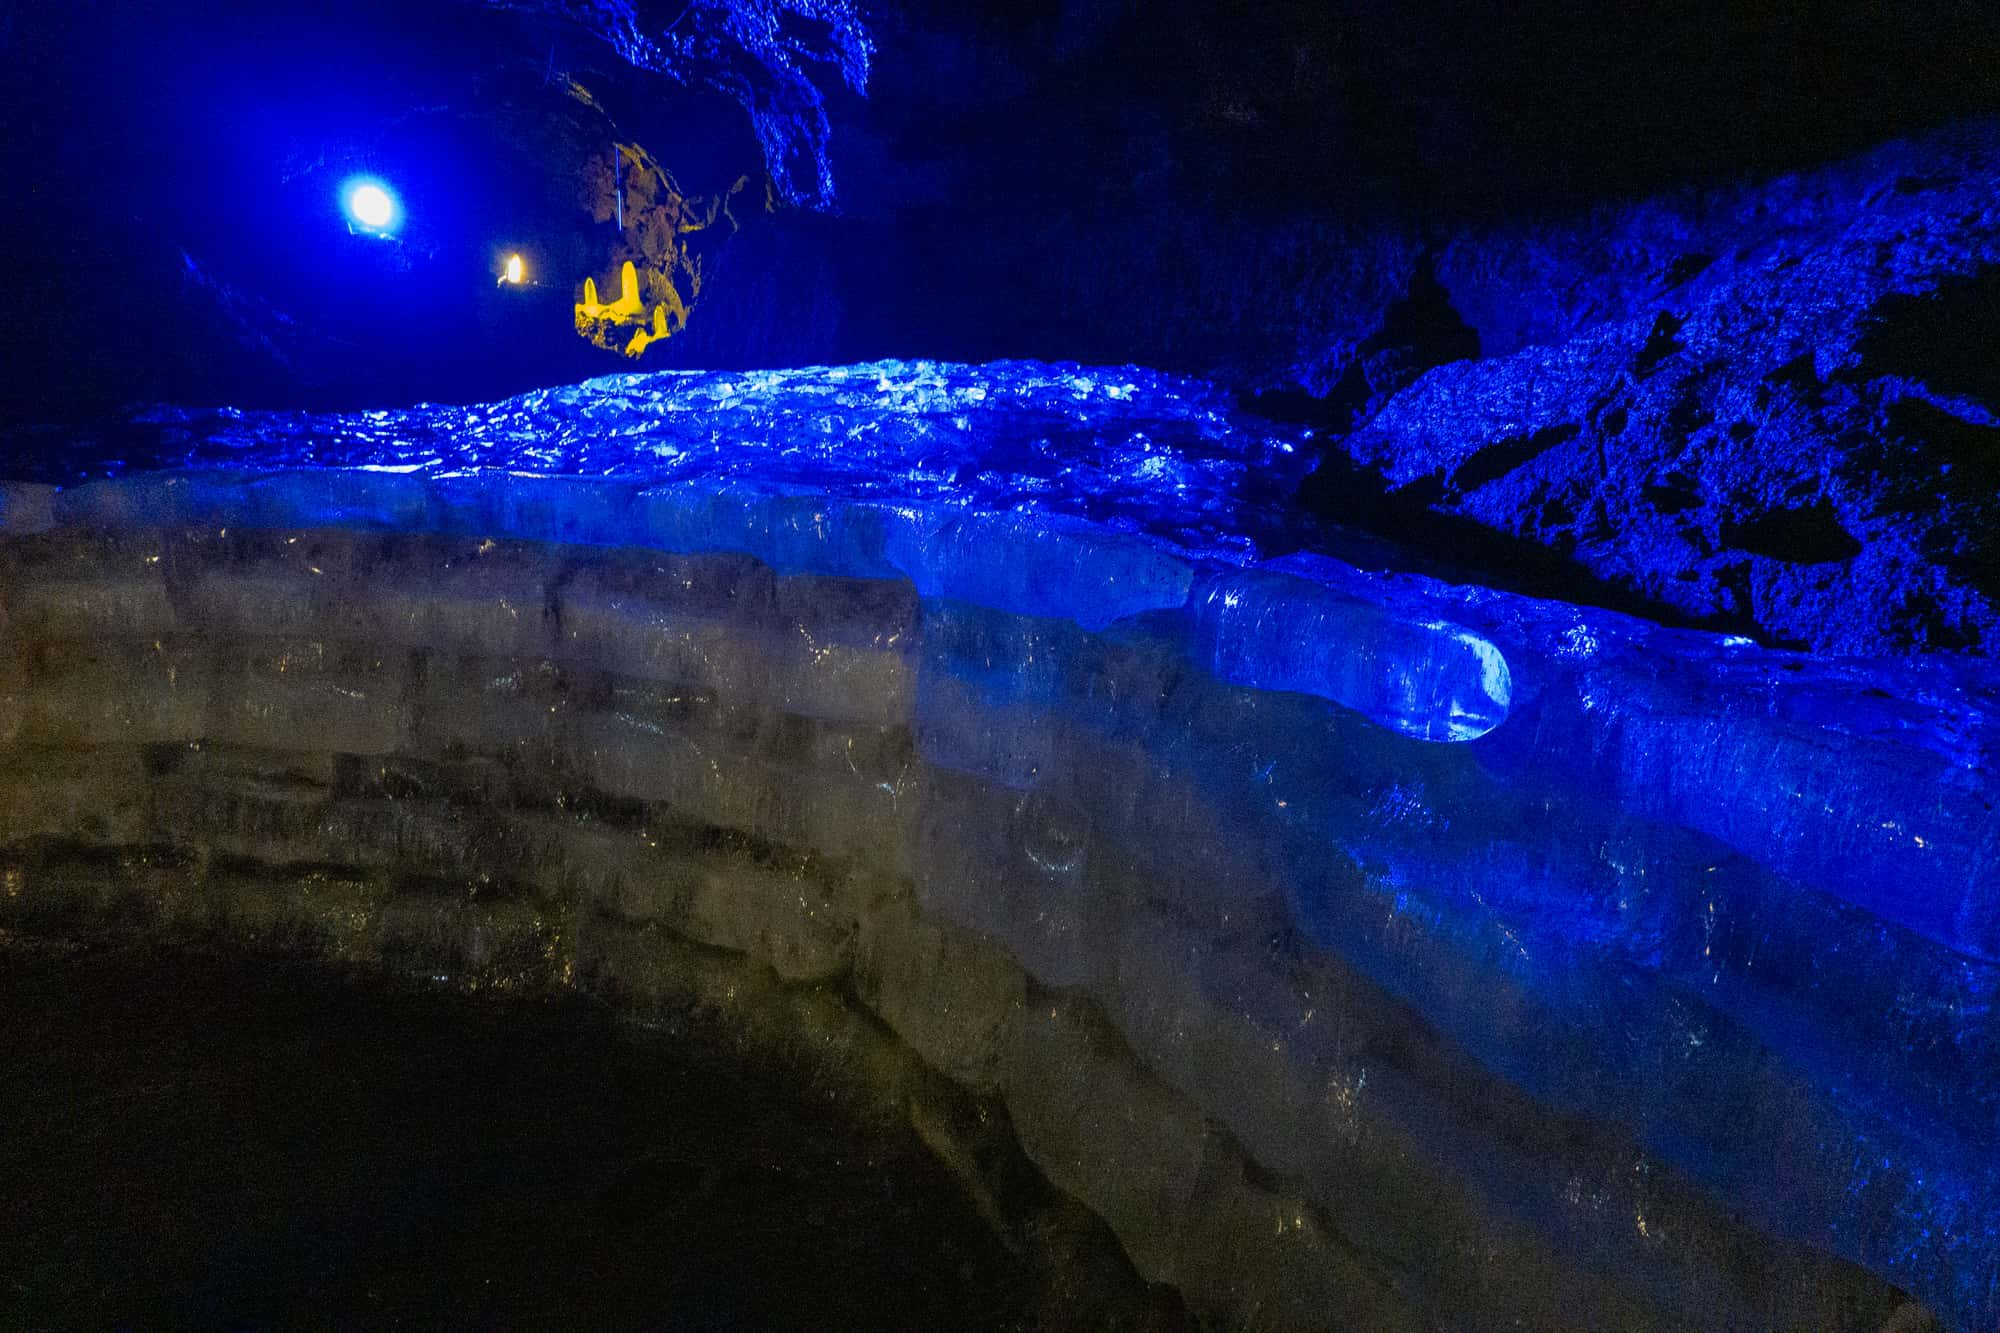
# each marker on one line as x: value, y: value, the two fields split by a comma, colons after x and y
x: 1492, y: 924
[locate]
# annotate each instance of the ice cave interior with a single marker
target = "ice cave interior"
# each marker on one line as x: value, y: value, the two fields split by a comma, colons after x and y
x: 1225, y: 665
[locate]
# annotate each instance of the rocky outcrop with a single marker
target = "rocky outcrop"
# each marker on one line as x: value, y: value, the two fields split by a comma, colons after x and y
x: 666, y: 242
x: 1771, y: 410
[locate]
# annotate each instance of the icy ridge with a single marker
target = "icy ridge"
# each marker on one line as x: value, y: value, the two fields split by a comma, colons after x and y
x: 1644, y: 874
x: 1097, y: 495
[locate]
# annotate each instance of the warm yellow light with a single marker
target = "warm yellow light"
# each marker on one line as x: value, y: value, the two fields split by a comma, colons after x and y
x: 628, y: 308
x: 514, y: 268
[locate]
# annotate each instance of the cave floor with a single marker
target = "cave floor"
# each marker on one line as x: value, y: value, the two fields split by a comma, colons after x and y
x: 196, y: 1137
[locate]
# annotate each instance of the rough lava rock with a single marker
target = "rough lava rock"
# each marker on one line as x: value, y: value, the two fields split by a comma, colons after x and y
x: 1772, y: 410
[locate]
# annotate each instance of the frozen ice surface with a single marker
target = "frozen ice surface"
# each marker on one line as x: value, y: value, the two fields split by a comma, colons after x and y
x: 1090, y: 495
x: 1038, y: 638
x: 1168, y: 454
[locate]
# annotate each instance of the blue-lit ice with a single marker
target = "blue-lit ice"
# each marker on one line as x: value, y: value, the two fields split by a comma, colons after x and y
x: 1089, y: 495
x: 1721, y: 923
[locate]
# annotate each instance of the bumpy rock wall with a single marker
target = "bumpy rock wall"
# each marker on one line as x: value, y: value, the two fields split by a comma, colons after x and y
x: 1756, y: 407
x: 1368, y: 952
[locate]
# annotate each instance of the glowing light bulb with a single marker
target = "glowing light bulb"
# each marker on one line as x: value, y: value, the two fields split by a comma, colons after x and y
x: 513, y: 268
x: 371, y: 206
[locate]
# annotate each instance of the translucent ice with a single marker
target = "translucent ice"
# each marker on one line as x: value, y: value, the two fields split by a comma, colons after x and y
x: 1422, y: 676
x: 1547, y: 951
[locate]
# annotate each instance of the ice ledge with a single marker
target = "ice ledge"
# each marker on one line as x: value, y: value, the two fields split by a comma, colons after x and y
x: 1557, y: 895
x: 1397, y: 661
x: 1870, y: 779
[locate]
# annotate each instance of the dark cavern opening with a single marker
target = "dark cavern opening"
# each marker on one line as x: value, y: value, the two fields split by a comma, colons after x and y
x: 887, y: 664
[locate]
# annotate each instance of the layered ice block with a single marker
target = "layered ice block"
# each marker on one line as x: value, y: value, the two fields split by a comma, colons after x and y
x: 1368, y: 950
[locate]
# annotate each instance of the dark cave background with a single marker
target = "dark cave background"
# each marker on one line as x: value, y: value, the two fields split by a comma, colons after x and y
x: 1094, y: 180
x: 1584, y: 296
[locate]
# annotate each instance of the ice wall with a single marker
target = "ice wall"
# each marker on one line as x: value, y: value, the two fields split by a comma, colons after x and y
x: 1365, y: 949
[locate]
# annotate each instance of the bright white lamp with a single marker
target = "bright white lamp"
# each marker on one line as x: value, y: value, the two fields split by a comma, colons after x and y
x: 371, y: 206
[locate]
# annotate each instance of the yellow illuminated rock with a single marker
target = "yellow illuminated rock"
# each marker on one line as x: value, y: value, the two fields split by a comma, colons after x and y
x: 644, y: 337
x: 628, y: 306
x: 596, y: 321
x: 665, y: 243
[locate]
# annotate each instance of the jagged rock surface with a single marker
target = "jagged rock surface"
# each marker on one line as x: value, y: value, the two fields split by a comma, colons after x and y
x: 1761, y: 409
